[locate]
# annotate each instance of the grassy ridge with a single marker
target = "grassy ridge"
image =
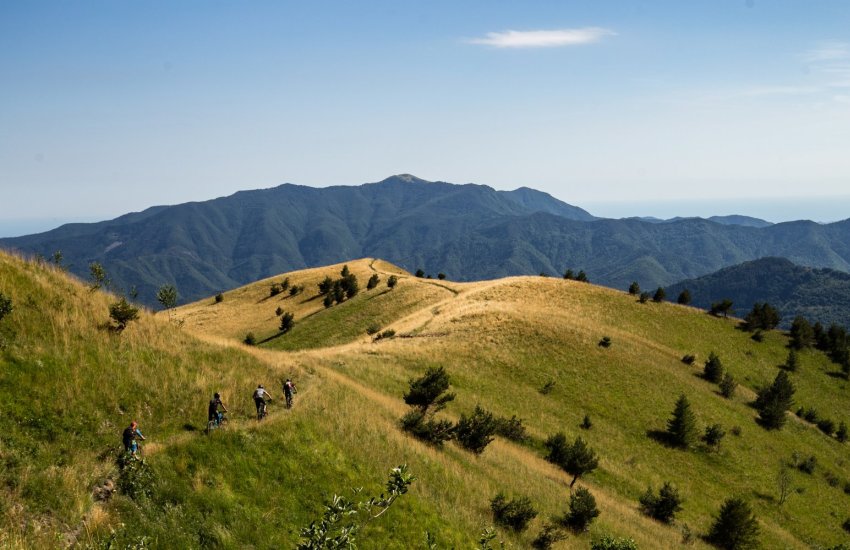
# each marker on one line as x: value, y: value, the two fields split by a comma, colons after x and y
x: 255, y: 485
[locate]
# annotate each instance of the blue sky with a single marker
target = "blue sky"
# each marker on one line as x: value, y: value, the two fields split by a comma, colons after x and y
x: 624, y: 108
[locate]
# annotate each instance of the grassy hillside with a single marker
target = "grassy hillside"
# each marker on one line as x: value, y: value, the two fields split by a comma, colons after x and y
x: 253, y: 485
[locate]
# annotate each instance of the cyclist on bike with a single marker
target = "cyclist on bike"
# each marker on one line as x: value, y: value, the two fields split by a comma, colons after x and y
x: 131, y: 437
x: 214, y: 415
x: 289, y: 389
x: 260, y: 395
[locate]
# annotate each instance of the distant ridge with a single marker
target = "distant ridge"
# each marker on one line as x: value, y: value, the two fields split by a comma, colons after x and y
x: 468, y: 232
x: 816, y: 294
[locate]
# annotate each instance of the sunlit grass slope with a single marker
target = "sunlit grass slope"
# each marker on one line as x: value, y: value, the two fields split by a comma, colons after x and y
x: 501, y: 341
x: 68, y: 386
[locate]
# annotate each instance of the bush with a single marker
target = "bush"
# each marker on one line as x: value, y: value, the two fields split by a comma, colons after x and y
x: 219, y: 298
x: 607, y: 542
x: 586, y: 423
x: 758, y: 336
x: 723, y: 307
x: 441, y: 276
x: 328, y: 301
x: 429, y: 390
x: 284, y: 285
x: 135, y: 477
x: 827, y: 426
x: 373, y: 281
x: 325, y: 285
x: 287, y: 321
x: 735, y: 527
x: 802, y: 335
x: 278, y: 311
x: 713, y: 435
x: 389, y: 333
x: 634, y: 288
x: 425, y: 428
x: 420, y: 273
x: 275, y: 289
x: 684, y: 297
x: 549, y: 535
x: 728, y: 386
x: 475, y: 432
x: 662, y: 507
x: 392, y: 281
x: 808, y: 465
x: 846, y: 525
x: 582, y: 512
x: 582, y: 277
x: 547, y: 387
x: 569, y: 275
x: 514, y: 514
x: 713, y: 370
x: 605, y: 342
x: 294, y: 289
x: 659, y: 295
x: 6, y: 306
x: 250, y: 339
x: 373, y: 328
x: 644, y: 297
x: 810, y: 414
x: 122, y: 313
x: 763, y: 316
x: 511, y: 428
x: 689, y: 359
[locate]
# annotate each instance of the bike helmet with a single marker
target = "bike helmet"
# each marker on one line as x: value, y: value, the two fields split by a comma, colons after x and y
x: 216, y: 395
x: 260, y: 386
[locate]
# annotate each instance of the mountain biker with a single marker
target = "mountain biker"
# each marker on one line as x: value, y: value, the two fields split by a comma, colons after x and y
x: 214, y: 415
x: 260, y: 395
x: 288, y: 389
x: 130, y: 438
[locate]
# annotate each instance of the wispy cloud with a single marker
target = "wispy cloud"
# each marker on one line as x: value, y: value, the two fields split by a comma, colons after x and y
x: 828, y: 51
x: 543, y: 38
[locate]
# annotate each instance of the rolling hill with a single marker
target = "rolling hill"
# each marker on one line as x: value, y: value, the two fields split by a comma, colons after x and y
x: 469, y: 232
x: 817, y: 294
x: 68, y: 385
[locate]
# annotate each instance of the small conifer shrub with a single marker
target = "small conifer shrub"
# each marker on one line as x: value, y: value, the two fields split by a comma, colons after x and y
x: 511, y: 428
x: 122, y: 312
x: 827, y: 426
x: 713, y: 370
x: 250, y: 339
x: 373, y: 329
x: 582, y: 512
x: 586, y: 423
x: 547, y: 387
x: 713, y: 436
x: 392, y: 281
x: 663, y: 506
x: 644, y: 297
x: 514, y: 514
x: 287, y: 321
x: 219, y: 298
x: 605, y: 342
x: 548, y: 536
x: 475, y: 432
x: 275, y: 289
x: 728, y: 386
x: 278, y: 311
x: 689, y: 359
x: 735, y: 527
x: 373, y: 281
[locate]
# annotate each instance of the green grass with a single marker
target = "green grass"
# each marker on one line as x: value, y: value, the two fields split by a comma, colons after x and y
x: 68, y: 386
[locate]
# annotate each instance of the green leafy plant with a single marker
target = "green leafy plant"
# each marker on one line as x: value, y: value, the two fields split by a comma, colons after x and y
x: 514, y: 514
x: 343, y: 519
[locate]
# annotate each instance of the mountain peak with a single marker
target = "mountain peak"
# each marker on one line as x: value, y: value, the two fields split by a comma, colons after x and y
x: 407, y: 178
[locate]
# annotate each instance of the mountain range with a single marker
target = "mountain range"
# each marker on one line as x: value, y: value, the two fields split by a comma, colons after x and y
x: 817, y: 294
x: 467, y: 232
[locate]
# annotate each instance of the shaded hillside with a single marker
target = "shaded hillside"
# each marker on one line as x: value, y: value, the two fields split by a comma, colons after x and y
x: 816, y: 294
x: 68, y: 385
x: 467, y: 231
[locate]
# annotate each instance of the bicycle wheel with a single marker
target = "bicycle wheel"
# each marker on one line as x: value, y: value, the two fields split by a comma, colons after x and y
x: 210, y: 426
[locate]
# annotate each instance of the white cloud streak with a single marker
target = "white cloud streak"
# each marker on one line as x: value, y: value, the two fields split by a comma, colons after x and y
x: 543, y: 38
x: 828, y: 51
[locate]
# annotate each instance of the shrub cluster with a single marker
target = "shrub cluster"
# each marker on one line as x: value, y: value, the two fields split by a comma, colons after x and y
x: 338, y: 290
x: 475, y: 432
x: 762, y: 317
x: 664, y: 505
x: 511, y: 428
x: 774, y: 400
x: 514, y: 514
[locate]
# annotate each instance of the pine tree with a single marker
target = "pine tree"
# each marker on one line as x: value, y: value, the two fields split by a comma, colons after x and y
x: 684, y: 297
x: 773, y: 401
x: 326, y: 285
x: 682, y: 427
x: 713, y: 370
x: 582, y: 277
x: 634, y: 288
x: 802, y: 334
x: 373, y: 281
x: 569, y: 275
x: 735, y: 527
x: 287, y: 321
x: 728, y: 386
x: 392, y: 281
x: 792, y: 362
x: 659, y: 295
x: 582, y: 512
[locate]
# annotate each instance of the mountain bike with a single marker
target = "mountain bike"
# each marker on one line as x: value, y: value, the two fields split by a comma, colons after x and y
x: 216, y: 422
x: 262, y: 412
